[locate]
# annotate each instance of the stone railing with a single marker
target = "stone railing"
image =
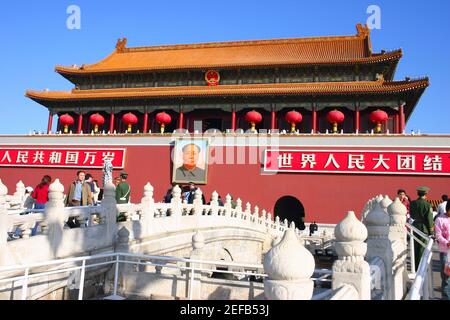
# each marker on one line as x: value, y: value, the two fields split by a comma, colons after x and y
x: 101, y: 228
x: 370, y: 264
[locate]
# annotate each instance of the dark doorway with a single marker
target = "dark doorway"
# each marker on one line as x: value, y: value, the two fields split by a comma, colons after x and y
x: 290, y: 208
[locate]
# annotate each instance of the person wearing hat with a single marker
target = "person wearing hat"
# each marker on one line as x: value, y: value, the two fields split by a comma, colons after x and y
x: 421, y: 212
x: 123, y: 189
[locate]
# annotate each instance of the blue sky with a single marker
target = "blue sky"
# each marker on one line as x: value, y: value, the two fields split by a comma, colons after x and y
x: 35, y: 39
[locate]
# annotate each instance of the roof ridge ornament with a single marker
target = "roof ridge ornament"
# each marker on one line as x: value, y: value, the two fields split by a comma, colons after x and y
x: 121, y: 43
x: 380, y: 77
x: 363, y: 30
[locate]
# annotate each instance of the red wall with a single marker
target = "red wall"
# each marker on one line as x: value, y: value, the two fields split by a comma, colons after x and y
x: 326, y: 197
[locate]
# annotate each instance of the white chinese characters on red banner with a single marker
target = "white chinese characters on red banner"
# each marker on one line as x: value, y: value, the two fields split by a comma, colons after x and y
x: 358, y: 162
x: 55, y: 157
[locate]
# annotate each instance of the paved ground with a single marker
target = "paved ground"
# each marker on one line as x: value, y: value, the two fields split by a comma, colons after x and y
x: 435, y: 264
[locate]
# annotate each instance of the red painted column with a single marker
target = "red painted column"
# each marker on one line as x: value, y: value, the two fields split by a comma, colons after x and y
x: 402, y: 118
x: 314, y: 120
x: 80, y: 123
x: 111, y: 122
x: 357, y: 119
x: 233, y: 120
x: 50, y: 122
x: 145, y: 127
x: 273, y: 120
x: 395, y: 118
x: 180, y: 123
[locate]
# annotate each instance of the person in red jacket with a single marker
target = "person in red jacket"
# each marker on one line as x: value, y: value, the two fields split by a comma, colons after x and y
x: 40, y: 193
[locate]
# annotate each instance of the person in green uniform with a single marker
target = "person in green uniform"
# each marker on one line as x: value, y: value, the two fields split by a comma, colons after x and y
x: 123, y: 189
x: 421, y: 212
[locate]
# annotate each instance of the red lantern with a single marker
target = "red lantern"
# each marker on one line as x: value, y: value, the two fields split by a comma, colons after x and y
x: 335, y: 117
x: 253, y: 117
x: 163, y: 118
x: 129, y: 119
x: 293, y: 117
x: 378, y: 117
x: 97, y: 120
x: 66, y: 120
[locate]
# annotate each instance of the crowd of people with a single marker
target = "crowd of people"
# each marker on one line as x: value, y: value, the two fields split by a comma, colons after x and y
x: 188, y: 194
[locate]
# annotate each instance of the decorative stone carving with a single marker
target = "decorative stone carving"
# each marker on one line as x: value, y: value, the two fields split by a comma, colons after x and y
x: 175, y: 202
x: 350, y: 268
x: 378, y: 244
x: 397, y: 236
x: 3, y: 193
x: 55, y: 217
x: 377, y: 221
x: 239, y: 205
x: 214, y: 203
x: 289, y: 267
x: 386, y: 202
x: 148, y: 209
x: 110, y: 211
x: 397, y: 211
x: 198, y: 203
x: 19, y: 195
x: 198, y: 240
x: 107, y: 171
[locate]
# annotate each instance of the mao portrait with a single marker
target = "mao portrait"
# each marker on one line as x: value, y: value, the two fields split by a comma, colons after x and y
x: 190, y: 163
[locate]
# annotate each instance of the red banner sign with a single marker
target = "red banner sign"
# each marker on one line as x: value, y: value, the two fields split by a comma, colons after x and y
x: 358, y: 162
x: 60, y: 158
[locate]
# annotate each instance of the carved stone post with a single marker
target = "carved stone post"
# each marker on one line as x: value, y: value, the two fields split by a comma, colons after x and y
x: 397, y: 235
x: 55, y: 216
x: 350, y: 268
x: 110, y: 212
x: 227, y: 205
x: 255, y: 214
x: 107, y: 171
x: 4, y: 223
x: 378, y: 244
x: 289, y: 267
x: 248, y: 211
x: 369, y: 205
x: 198, y: 203
x: 175, y: 203
x: 19, y: 195
x: 148, y: 209
x: 238, y: 207
x: 198, y: 253
x: 263, y: 217
x: 385, y: 203
x: 214, y: 203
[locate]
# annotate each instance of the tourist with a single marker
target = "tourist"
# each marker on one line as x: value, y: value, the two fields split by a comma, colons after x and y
x: 168, y: 196
x: 123, y: 189
x: 79, y: 192
x: 313, y: 227
x: 29, y: 201
x: 422, y: 214
x: 404, y: 200
x: 90, y: 181
x: 190, y: 196
x: 79, y: 195
x: 442, y: 230
x: 441, y: 207
x: 40, y: 196
x: 40, y: 193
